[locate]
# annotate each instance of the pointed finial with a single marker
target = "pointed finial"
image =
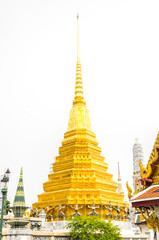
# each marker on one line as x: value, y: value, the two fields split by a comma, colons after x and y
x: 136, y: 139
x: 78, y: 52
x: 21, y: 172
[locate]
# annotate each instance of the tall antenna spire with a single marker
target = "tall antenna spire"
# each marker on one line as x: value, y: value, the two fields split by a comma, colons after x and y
x: 79, y: 86
x: 78, y: 43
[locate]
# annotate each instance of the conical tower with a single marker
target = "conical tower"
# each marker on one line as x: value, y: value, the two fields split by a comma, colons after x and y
x: 80, y: 172
x: 19, y: 199
x: 19, y: 206
x: 120, y: 187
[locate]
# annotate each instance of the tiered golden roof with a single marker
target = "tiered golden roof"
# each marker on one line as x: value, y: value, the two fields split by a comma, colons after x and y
x: 80, y: 173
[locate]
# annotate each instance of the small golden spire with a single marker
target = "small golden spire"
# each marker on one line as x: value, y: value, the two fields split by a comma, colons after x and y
x: 136, y: 139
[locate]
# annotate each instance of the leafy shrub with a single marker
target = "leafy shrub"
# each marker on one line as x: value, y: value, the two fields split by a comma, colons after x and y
x: 92, y: 228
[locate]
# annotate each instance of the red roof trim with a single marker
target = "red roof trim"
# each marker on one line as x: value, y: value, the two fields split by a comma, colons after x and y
x: 145, y: 203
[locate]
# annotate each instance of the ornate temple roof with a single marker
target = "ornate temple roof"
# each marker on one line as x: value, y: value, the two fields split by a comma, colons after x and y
x: 146, y: 198
x: 149, y: 193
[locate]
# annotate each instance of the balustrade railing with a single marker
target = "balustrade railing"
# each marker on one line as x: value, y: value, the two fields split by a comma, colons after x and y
x: 66, y: 237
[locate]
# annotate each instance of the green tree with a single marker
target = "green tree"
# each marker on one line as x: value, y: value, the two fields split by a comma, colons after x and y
x: 8, y: 208
x: 92, y: 228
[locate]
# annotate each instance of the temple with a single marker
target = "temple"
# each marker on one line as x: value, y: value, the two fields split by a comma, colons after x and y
x: 145, y: 199
x: 80, y: 183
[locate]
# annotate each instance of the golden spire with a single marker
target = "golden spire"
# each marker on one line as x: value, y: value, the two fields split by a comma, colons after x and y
x: 136, y: 139
x: 79, y: 86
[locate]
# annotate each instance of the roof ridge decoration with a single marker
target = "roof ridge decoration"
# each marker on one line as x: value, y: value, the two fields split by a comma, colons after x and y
x: 129, y: 190
x: 147, y: 172
x: 19, y: 199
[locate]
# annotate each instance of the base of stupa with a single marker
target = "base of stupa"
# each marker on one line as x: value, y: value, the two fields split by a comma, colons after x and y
x: 103, y: 208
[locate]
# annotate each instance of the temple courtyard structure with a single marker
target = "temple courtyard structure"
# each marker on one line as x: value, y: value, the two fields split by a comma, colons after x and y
x: 145, y: 198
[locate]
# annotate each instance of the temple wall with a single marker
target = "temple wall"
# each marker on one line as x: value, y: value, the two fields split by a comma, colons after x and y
x: 56, y: 230
x: 24, y: 234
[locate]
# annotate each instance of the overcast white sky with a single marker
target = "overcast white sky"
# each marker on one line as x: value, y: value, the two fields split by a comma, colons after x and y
x: 119, y: 44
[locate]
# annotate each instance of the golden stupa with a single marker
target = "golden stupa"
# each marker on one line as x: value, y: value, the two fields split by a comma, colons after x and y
x: 80, y: 184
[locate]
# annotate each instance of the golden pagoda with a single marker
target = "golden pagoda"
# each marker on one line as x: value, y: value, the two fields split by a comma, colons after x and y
x: 79, y: 183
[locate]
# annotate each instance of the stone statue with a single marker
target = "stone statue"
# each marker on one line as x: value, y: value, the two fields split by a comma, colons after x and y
x: 60, y: 214
x: 117, y: 209
x: 48, y: 213
x: 76, y: 208
x: 110, y: 209
x: 93, y: 212
x: 34, y: 212
x: 126, y: 212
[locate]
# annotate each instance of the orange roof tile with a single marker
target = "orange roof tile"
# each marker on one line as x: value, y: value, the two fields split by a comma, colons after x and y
x: 151, y: 192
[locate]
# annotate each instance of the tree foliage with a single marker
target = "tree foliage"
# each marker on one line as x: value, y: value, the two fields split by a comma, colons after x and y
x: 92, y: 228
x: 7, y: 206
